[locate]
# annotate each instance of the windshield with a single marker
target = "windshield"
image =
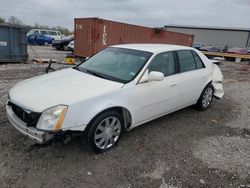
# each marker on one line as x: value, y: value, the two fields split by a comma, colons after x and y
x: 116, y: 64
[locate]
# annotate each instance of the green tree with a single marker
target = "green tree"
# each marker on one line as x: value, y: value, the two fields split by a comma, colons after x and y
x: 63, y: 30
x: 37, y: 25
x: 2, y: 20
x: 15, y: 21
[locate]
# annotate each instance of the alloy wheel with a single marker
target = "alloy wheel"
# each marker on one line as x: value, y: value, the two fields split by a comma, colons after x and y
x: 207, y: 97
x: 107, y: 132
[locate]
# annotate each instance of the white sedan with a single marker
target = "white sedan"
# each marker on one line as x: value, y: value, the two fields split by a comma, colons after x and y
x: 115, y: 90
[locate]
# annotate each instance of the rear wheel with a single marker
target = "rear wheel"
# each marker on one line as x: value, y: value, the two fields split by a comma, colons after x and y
x: 104, y: 131
x: 58, y: 47
x: 206, y: 98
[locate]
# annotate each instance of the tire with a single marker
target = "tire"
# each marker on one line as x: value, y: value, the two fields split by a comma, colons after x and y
x: 65, y: 47
x: 46, y: 43
x: 103, y: 133
x: 206, y: 98
x: 58, y: 47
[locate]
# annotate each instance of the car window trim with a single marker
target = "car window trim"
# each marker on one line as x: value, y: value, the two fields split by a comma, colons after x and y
x: 193, y: 52
x: 177, y: 61
x: 194, y: 59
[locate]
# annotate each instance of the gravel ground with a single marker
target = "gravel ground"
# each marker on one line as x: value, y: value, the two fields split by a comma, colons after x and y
x: 187, y: 148
x: 46, y: 52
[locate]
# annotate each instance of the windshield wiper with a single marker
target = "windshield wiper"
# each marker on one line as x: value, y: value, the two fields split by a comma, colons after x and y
x: 94, y: 73
x: 77, y: 68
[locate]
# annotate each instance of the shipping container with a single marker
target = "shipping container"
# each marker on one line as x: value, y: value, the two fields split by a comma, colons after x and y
x: 13, y: 44
x: 94, y: 34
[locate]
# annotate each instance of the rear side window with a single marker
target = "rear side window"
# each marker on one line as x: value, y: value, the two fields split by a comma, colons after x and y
x: 164, y: 63
x: 52, y: 33
x: 44, y: 32
x: 198, y: 61
x: 186, y: 59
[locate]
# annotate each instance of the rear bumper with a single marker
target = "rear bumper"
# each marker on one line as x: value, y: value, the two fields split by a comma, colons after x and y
x: 218, y: 90
x: 31, y: 132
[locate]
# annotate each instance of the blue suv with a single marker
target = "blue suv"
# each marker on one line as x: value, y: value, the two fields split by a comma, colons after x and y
x: 39, y: 39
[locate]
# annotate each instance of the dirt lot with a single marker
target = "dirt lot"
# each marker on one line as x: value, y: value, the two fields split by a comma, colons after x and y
x: 185, y: 149
x: 47, y: 52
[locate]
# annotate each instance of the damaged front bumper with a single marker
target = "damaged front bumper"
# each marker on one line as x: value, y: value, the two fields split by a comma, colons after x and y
x: 32, y: 132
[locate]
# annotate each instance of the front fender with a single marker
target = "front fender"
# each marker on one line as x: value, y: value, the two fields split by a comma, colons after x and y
x: 81, y: 113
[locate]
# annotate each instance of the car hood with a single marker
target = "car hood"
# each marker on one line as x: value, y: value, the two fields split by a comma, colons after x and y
x: 61, y: 87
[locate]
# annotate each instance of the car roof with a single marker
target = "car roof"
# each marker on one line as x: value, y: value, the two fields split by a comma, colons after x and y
x: 153, y: 48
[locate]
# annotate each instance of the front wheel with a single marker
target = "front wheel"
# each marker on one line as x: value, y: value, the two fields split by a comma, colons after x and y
x: 104, y: 131
x: 206, y: 98
x: 46, y: 43
x: 65, y: 47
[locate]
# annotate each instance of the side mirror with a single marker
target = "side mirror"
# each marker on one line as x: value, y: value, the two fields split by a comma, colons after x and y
x: 155, y: 76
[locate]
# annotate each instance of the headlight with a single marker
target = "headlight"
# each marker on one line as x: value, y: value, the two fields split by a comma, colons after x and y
x: 52, y: 118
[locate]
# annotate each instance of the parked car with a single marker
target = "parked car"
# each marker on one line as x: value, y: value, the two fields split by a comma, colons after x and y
x: 47, y: 32
x: 61, y: 44
x: 67, y: 37
x: 38, y: 39
x: 236, y: 50
x: 118, y: 89
x: 197, y: 45
x: 71, y: 46
x: 210, y: 48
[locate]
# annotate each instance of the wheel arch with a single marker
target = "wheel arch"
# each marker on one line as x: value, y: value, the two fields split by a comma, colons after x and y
x: 208, y: 83
x: 124, y: 112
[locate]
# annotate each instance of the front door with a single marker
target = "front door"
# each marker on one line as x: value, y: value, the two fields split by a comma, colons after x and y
x: 156, y: 98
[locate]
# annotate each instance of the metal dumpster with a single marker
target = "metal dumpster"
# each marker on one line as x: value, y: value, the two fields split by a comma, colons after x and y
x: 13, y: 44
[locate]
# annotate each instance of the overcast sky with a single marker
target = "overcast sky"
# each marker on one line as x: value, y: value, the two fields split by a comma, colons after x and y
x: 229, y: 13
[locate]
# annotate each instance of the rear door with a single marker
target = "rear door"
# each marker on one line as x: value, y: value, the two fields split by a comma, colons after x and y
x: 193, y: 76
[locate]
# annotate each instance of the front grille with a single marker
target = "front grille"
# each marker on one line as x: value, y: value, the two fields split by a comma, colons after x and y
x: 30, y: 118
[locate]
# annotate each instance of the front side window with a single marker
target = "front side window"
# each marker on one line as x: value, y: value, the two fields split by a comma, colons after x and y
x: 164, y: 63
x: 116, y: 64
x: 36, y: 32
x: 186, y: 60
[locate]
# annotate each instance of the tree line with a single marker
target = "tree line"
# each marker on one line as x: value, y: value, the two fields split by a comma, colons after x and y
x: 13, y: 20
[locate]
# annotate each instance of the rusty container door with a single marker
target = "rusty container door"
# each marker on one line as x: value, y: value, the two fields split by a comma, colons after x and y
x: 83, y: 43
x: 93, y: 35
